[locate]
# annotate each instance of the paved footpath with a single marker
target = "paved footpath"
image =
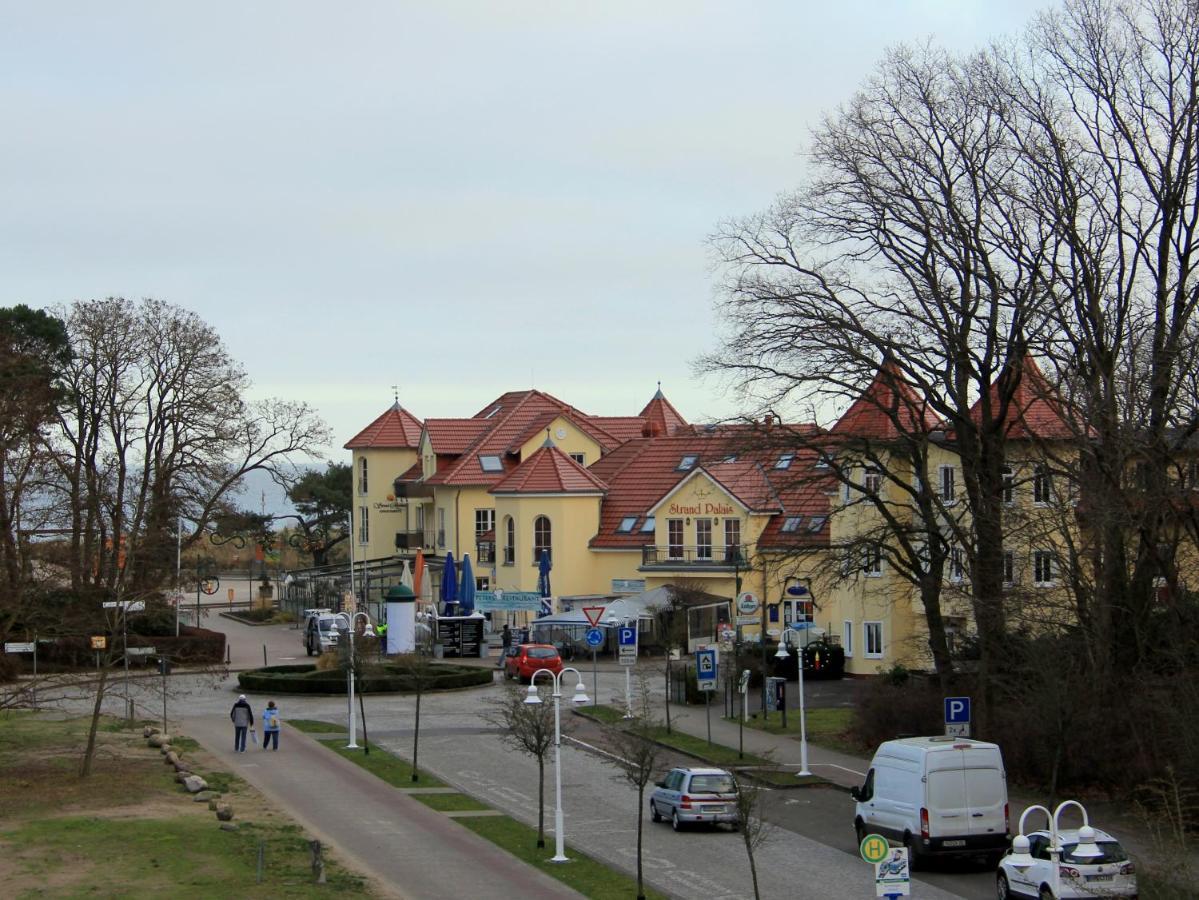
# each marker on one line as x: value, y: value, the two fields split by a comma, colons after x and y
x: 414, y: 851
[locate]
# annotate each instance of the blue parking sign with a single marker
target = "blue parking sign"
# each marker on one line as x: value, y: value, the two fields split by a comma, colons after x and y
x: 627, y: 636
x: 957, y: 710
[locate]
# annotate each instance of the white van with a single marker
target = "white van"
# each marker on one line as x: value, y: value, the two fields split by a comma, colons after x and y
x: 938, y: 796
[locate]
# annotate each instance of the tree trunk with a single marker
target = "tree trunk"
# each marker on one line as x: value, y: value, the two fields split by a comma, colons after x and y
x: 416, y: 737
x: 85, y: 769
x: 668, y: 690
x: 640, y: 826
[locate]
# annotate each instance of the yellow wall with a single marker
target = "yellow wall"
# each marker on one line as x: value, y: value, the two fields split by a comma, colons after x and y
x: 386, y: 514
x: 574, y: 520
x: 567, y: 438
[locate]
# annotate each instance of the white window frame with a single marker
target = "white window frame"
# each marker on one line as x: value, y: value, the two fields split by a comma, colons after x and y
x: 1043, y: 558
x: 1007, y: 491
x: 580, y: 458
x: 362, y: 479
x: 548, y: 544
x: 957, y: 569
x: 948, y: 484
x: 872, y: 562
x: 877, y: 627
x: 847, y: 638
x: 703, y: 543
x: 364, y: 525
x: 872, y: 479
x: 1009, y: 567
x: 784, y: 461
x: 488, y: 521
x: 441, y: 527
x: 1042, y: 486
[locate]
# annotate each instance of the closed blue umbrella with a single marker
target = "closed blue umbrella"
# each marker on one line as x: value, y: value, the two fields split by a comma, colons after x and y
x: 449, y: 584
x: 543, y: 582
x: 466, y: 590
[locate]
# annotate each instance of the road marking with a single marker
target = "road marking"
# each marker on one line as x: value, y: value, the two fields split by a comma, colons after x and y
x: 835, y: 766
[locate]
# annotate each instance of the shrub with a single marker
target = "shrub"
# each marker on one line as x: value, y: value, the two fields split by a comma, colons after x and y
x: 887, y: 710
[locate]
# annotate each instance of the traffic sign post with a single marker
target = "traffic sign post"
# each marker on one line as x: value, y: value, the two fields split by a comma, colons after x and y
x: 593, y: 614
x: 892, y: 876
x: 626, y: 640
x: 957, y: 716
x: 705, y: 678
x: 594, y: 637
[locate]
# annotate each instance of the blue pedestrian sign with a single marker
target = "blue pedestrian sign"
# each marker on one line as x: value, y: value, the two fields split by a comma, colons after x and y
x: 595, y: 637
x: 705, y: 669
x: 957, y: 710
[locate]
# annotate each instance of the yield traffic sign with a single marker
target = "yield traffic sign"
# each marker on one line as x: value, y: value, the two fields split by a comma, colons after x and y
x: 593, y: 614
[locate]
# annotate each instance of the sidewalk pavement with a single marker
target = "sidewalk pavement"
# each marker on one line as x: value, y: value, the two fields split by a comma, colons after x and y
x: 413, y: 851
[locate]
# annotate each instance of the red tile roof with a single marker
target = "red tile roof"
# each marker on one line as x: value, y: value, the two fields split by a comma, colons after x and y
x: 450, y: 437
x: 412, y: 473
x: 623, y: 428
x: 549, y: 471
x: 887, y: 407
x: 1036, y: 409
x: 663, y: 418
x: 396, y: 428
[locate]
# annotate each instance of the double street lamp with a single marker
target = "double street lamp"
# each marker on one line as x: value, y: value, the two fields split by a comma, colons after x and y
x: 798, y: 590
x: 350, y: 626
x: 533, y: 699
x: 1086, y: 849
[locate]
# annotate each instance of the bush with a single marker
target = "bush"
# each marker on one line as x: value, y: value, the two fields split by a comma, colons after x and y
x: 887, y: 710
x: 308, y: 679
x: 194, y: 646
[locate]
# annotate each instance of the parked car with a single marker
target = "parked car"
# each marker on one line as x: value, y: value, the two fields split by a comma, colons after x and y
x: 320, y: 634
x: 937, y: 796
x: 525, y: 659
x: 1111, y: 874
x: 693, y: 796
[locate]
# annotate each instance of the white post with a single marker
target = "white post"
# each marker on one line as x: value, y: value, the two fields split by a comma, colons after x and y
x: 353, y: 538
x: 559, y: 823
x: 803, y: 723
x: 628, y: 693
x: 353, y: 744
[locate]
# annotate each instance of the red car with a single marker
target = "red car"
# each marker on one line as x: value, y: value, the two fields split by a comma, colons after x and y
x: 524, y: 660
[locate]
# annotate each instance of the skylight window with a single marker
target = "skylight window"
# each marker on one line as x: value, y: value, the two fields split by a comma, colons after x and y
x: 649, y: 524
x: 816, y: 523
x: 687, y: 463
x: 731, y: 458
x: 791, y: 523
x: 626, y: 524
x: 822, y: 463
x: 490, y: 463
x: 784, y: 461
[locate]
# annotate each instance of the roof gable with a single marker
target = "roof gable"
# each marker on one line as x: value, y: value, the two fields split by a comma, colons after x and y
x: 888, y: 408
x: 396, y: 428
x: 549, y: 471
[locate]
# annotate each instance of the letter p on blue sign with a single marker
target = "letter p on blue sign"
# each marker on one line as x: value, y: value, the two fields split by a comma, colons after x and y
x: 957, y: 710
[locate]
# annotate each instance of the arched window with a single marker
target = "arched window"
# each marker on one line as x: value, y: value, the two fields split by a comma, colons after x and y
x: 541, y: 538
x: 509, y: 541
x: 362, y: 475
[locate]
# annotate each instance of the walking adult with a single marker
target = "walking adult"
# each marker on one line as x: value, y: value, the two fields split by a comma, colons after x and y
x: 243, y: 719
x: 270, y: 726
x: 381, y: 634
x: 505, y: 644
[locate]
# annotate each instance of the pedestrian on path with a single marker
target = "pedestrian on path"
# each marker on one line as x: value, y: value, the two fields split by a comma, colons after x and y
x: 505, y: 643
x: 381, y: 634
x: 270, y: 726
x: 243, y: 719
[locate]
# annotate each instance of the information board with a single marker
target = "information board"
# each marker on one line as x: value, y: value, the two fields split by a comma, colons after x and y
x: 460, y: 637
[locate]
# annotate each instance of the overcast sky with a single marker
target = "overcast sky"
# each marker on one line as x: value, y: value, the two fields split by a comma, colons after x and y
x: 458, y: 198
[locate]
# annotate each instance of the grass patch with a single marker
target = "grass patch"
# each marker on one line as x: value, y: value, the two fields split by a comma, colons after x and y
x: 826, y: 727
x: 450, y: 802
x: 311, y: 726
x: 589, y: 877
x: 392, y: 769
x: 608, y: 715
x: 185, y: 858
x: 185, y: 744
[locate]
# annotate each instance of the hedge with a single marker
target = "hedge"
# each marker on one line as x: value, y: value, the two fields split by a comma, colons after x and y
x: 194, y: 646
x: 306, y: 679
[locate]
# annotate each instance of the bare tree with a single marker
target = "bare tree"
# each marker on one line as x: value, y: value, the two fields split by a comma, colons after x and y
x: 418, y: 668
x: 752, y: 825
x: 529, y: 729
x: 640, y: 756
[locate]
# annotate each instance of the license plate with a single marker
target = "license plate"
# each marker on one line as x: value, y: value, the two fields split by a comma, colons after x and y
x: 716, y: 809
x: 953, y: 843
x: 1099, y: 878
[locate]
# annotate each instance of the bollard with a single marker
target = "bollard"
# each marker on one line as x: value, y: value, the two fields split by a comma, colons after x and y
x: 227, y: 654
x: 318, y: 864
x: 264, y: 654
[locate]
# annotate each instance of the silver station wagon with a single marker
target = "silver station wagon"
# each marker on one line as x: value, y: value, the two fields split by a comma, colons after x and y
x: 694, y: 796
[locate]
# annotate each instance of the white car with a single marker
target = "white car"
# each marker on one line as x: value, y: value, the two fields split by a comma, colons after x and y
x: 1109, y: 875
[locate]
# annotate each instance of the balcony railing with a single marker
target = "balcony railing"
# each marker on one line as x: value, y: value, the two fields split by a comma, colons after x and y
x: 679, y: 555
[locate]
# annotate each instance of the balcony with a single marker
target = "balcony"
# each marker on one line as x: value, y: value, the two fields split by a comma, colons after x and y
x: 414, y: 540
x: 681, y: 557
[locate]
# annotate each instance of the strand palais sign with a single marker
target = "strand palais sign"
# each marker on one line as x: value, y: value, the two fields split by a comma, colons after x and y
x: 700, y: 509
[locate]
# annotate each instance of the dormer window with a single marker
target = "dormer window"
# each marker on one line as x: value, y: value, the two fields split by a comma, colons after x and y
x: 626, y: 525
x: 649, y: 524
x: 816, y: 523
x: 490, y: 463
x: 784, y: 461
x: 791, y: 524
x: 731, y: 458
x: 821, y: 463
x: 687, y: 463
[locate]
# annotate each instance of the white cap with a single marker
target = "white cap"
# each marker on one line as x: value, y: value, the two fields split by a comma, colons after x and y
x: 241, y: 697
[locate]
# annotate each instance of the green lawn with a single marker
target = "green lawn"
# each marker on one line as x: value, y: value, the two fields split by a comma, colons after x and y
x: 587, y: 876
x: 826, y: 727
x: 390, y: 768
x: 450, y: 802
x: 311, y: 726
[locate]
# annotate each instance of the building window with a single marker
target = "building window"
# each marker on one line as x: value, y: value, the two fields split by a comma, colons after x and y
x: 791, y: 523
x: 872, y: 480
x: 784, y: 461
x: 542, y: 538
x: 1008, y: 481
x: 1042, y: 564
x: 703, y: 538
x: 420, y: 518
x: 816, y: 523
x: 847, y: 638
x: 484, y: 547
x: 1009, y: 567
x: 484, y: 522
x: 482, y: 582
x: 872, y: 640
x: 846, y: 488
x: 509, y: 541
x: 1042, y: 486
x: 626, y: 524
x: 872, y: 563
x: 580, y: 458
x: 441, y: 527
x: 687, y: 463
x: 732, y: 539
x: 649, y: 524
x: 490, y: 463
x: 362, y: 475
x: 674, y: 538
x: 948, y: 485
x: 956, y: 569
x: 364, y: 525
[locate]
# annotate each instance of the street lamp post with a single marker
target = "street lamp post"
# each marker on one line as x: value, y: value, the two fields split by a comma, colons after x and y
x: 1086, y: 848
x: 803, y: 718
x: 350, y: 623
x: 533, y: 699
